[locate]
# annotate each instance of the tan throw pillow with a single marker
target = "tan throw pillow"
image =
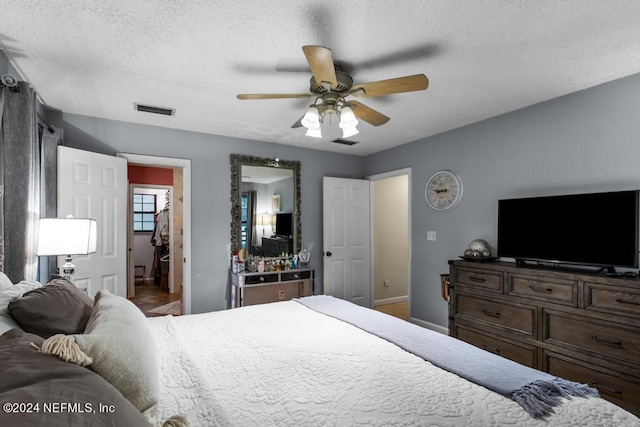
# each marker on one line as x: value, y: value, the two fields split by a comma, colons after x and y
x: 122, y: 345
x: 59, y: 307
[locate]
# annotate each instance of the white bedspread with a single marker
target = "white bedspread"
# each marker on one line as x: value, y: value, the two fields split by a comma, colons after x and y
x: 283, y: 364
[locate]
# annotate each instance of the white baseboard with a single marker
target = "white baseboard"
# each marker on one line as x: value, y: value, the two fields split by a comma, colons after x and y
x: 390, y: 300
x: 442, y: 329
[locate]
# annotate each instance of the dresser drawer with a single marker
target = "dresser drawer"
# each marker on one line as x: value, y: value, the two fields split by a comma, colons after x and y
x: 598, y: 336
x: 611, y: 298
x: 553, y: 290
x: 262, y: 278
x: 477, y: 278
x: 519, y: 353
x: 295, y: 275
x: 282, y: 291
x: 613, y: 388
x: 519, y: 318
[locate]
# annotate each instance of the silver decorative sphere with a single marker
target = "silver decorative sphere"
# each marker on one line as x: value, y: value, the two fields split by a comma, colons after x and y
x: 478, y: 249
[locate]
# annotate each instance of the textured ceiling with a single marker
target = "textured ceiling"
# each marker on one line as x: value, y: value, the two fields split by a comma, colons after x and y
x: 483, y: 58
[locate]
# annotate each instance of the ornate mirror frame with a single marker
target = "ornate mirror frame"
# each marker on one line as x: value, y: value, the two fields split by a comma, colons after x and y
x: 237, y: 161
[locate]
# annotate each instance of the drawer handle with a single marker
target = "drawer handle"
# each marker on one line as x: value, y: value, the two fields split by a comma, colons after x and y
x: 262, y: 278
x: 295, y: 276
x: 613, y: 343
x: 491, y: 350
x: 624, y: 301
x: 540, y: 289
x: 606, y: 389
x: 491, y: 313
x: 477, y: 279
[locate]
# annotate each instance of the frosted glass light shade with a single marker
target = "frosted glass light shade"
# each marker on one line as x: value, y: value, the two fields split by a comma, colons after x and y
x: 347, y: 132
x: 347, y: 118
x: 67, y: 236
x: 316, y: 133
x: 311, y: 119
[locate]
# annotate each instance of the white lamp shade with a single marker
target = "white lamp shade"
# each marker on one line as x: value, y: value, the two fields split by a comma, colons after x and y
x: 67, y: 236
x: 311, y: 119
x: 263, y: 219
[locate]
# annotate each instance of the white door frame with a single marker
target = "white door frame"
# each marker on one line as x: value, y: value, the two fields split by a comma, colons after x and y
x: 185, y: 164
x: 390, y: 174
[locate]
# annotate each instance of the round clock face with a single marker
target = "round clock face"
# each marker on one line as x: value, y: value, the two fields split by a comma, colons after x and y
x: 443, y: 190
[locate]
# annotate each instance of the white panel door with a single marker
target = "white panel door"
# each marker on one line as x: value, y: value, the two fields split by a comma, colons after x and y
x: 347, y: 239
x: 92, y: 185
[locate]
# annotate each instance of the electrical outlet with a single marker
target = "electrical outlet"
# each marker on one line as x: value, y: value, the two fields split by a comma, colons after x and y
x: 431, y: 235
x: 280, y: 295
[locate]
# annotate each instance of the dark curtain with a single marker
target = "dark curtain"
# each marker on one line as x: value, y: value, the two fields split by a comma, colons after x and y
x: 50, y: 138
x: 21, y: 182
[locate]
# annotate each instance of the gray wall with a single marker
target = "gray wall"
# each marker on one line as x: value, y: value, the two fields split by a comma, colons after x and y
x: 209, y: 155
x: 586, y: 141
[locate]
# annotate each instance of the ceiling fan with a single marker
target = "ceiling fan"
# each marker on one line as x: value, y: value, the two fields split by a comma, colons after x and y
x: 330, y: 85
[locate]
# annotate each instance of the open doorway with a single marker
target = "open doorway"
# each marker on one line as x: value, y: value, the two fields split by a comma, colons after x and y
x: 179, y: 259
x: 155, y: 236
x: 390, y: 231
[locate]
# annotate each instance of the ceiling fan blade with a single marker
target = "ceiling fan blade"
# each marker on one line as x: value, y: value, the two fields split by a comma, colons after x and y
x: 391, y: 86
x: 321, y: 64
x: 272, y: 95
x: 368, y: 114
x: 298, y: 124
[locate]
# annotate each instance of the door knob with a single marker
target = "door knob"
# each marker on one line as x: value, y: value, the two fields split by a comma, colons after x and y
x: 328, y: 253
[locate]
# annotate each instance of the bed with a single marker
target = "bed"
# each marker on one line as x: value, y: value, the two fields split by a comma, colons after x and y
x: 316, y: 361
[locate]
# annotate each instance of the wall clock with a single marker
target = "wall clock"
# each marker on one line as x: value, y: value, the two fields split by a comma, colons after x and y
x: 443, y: 190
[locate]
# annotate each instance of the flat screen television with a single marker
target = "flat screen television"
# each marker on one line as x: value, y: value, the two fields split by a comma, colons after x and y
x: 595, y: 229
x: 284, y: 225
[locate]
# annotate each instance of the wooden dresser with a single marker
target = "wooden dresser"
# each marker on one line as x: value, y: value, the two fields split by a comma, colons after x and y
x: 582, y: 327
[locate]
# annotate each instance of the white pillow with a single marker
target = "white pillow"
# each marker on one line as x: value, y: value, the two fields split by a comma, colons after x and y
x: 5, y: 282
x: 14, y: 292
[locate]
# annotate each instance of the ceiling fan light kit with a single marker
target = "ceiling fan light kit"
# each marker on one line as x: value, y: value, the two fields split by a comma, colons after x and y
x: 331, y: 86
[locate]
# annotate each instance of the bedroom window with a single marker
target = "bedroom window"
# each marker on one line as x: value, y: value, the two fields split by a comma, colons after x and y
x: 144, y: 212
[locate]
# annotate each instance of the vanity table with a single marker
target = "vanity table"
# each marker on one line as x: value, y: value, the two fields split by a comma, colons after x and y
x: 261, y: 288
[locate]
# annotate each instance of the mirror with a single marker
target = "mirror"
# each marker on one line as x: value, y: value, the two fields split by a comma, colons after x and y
x: 265, y: 205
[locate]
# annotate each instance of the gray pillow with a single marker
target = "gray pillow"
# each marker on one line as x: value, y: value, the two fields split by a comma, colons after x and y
x: 59, y: 307
x: 14, y: 292
x: 121, y: 343
x: 29, y: 377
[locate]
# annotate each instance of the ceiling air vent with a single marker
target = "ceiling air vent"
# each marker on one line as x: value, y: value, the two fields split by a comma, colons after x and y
x: 345, y: 142
x: 155, y: 110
